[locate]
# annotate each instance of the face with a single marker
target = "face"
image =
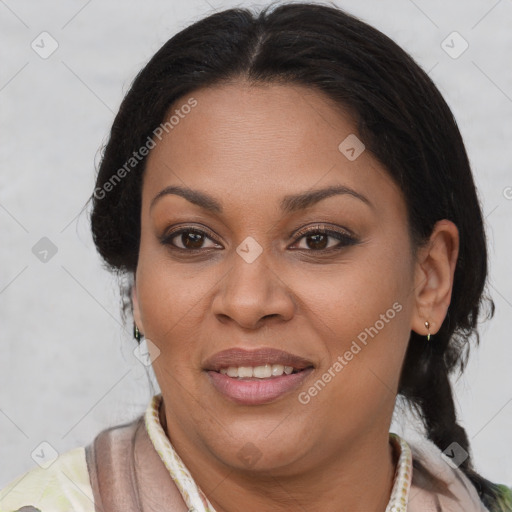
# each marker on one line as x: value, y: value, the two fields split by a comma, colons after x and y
x: 328, y: 280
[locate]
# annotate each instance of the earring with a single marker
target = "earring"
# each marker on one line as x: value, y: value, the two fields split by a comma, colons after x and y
x: 136, y: 333
x: 427, y: 325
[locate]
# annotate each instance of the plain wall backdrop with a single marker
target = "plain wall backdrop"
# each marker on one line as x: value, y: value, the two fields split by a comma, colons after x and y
x: 67, y: 367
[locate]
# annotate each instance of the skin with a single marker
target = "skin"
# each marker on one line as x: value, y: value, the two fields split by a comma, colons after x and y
x: 248, y: 146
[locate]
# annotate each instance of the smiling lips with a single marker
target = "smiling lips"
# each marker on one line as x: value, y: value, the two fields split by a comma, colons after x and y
x: 237, y: 357
x: 257, y: 376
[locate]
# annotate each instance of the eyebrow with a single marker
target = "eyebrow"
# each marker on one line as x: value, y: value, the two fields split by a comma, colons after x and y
x: 289, y: 204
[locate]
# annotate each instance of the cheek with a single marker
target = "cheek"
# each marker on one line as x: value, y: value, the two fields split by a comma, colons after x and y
x: 352, y: 296
x: 170, y: 303
x: 165, y: 291
x: 362, y: 311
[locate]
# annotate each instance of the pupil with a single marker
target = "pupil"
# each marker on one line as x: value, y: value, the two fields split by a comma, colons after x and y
x: 315, y: 244
x: 195, y: 237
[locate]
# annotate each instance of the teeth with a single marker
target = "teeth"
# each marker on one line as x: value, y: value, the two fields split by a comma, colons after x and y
x: 232, y: 371
x: 277, y: 369
x: 245, y: 371
x: 260, y: 372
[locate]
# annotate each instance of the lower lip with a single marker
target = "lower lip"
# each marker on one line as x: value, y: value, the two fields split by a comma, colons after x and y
x: 257, y: 391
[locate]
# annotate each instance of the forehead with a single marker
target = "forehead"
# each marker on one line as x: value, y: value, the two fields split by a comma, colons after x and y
x: 260, y: 142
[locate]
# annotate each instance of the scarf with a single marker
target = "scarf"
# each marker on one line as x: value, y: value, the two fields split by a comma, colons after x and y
x: 134, y: 467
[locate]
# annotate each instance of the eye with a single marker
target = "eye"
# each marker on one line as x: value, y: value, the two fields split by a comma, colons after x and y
x: 190, y: 238
x: 317, y: 239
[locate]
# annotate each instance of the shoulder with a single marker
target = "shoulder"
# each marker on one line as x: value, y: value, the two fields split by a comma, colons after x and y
x: 438, y: 480
x: 64, y: 486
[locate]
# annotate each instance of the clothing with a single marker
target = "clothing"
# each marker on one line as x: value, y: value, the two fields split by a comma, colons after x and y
x: 134, y: 467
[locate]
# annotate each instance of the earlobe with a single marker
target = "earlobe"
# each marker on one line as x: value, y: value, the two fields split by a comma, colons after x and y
x: 433, y: 283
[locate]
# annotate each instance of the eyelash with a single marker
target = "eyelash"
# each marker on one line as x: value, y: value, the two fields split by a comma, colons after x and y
x: 344, y: 239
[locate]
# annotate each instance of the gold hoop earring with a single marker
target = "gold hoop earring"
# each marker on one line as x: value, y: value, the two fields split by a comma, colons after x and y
x: 427, y: 325
x: 136, y: 333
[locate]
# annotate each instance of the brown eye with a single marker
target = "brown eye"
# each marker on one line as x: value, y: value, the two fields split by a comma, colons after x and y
x: 317, y: 239
x: 191, y: 240
x: 187, y: 239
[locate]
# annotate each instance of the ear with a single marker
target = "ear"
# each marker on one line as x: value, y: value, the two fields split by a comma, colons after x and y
x: 136, y: 309
x: 433, y: 280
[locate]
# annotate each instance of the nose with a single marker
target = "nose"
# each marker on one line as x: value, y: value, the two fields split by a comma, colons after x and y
x: 253, y: 294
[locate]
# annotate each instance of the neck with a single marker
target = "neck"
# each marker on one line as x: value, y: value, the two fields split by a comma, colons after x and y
x: 357, y: 478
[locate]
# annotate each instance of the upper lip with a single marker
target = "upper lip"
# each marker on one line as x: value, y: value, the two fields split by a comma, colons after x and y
x: 259, y: 357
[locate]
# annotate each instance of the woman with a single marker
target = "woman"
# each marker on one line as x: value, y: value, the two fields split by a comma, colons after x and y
x: 293, y: 200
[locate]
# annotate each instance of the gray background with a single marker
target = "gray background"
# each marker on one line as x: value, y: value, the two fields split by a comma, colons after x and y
x: 67, y: 368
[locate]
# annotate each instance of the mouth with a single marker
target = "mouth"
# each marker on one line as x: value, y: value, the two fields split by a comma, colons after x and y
x: 255, y: 377
x: 260, y: 363
x: 267, y: 371
x: 257, y: 390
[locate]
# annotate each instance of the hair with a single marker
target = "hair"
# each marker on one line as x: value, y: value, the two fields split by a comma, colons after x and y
x: 401, y: 118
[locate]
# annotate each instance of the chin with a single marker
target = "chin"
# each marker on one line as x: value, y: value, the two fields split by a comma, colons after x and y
x: 258, y: 453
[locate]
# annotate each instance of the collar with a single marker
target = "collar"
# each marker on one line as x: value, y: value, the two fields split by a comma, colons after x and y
x: 196, y: 499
